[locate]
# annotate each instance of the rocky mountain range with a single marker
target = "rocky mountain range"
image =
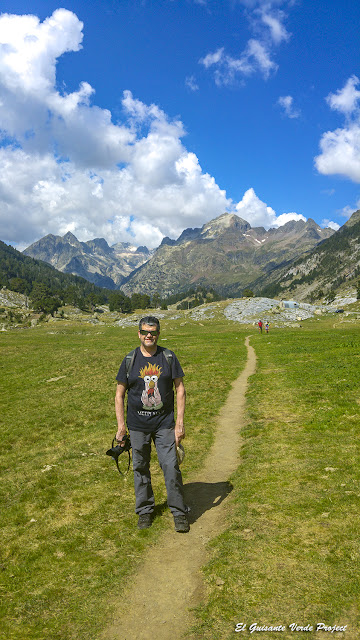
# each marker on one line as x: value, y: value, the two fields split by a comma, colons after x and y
x: 331, y: 265
x: 93, y: 260
x: 226, y: 253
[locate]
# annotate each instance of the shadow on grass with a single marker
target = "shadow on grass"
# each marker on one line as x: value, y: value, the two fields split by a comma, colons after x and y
x: 202, y: 496
x: 159, y: 509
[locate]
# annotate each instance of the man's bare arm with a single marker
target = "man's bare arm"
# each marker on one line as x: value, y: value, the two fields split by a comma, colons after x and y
x: 180, y: 410
x: 119, y: 410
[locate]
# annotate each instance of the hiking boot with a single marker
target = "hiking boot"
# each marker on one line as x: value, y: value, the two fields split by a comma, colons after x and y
x: 181, y: 524
x: 145, y: 521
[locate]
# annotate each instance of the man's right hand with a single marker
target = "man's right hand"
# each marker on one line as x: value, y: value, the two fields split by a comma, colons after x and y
x: 121, y: 433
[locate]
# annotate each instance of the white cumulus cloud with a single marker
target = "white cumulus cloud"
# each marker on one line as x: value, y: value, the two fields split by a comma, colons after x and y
x: 340, y: 152
x: 66, y: 166
x: 330, y: 224
x: 32, y: 110
x: 340, y: 149
x: 259, y: 214
x: 346, y: 99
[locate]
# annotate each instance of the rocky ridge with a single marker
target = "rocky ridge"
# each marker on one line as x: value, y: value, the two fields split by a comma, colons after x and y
x: 226, y: 253
x: 93, y: 260
x: 331, y: 266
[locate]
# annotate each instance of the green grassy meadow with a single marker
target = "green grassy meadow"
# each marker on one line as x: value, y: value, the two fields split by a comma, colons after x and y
x: 69, y: 536
x: 290, y: 549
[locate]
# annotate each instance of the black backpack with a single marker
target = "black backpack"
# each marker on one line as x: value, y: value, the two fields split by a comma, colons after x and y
x: 129, y: 360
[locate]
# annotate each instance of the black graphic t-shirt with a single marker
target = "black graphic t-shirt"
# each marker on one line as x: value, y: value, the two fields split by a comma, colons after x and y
x: 150, y: 401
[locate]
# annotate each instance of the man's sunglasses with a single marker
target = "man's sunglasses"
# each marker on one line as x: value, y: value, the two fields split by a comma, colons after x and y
x: 145, y: 333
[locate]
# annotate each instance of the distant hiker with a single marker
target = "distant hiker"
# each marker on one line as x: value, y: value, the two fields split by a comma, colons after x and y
x: 260, y: 325
x: 267, y: 327
x: 149, y: 374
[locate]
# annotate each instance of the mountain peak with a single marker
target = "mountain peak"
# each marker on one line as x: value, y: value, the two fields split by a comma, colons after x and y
x: 311, y: 223
x: 353, y: 219
x: 225, y: 221
x: 169, y: 241
x: 293, y: 225
x: 99, y: 244
x: 187, y: 234
x: 70, y: 238
x: 226, y: 254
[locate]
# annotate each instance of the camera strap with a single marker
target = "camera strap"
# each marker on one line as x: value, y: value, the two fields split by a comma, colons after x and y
x: 117, y: 464
x: 117, y: 450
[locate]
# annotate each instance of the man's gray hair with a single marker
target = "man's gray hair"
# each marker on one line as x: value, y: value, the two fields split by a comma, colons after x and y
x: 151, y: 321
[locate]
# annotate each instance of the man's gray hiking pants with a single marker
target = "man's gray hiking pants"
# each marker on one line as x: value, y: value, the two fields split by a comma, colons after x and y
x: 164, y: 440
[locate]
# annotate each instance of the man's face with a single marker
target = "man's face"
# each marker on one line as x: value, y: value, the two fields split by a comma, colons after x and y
x: 148, y: 340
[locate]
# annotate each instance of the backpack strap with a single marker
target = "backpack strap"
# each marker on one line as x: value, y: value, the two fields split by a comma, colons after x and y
x: 168, y: 357
x: 129, y: 361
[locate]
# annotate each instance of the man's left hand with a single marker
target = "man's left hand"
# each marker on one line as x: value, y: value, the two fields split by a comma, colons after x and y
x: 179, y: 433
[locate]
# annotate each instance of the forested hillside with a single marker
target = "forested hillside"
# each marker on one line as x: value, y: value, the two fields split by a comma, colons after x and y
x: 330, y: 265
x: 48, y: 288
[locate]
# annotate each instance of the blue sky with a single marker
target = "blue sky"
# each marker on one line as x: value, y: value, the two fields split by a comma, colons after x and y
x: 134, y: 119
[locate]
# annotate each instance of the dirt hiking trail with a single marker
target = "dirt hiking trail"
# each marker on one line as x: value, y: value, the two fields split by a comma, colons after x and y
x: 157, y: 602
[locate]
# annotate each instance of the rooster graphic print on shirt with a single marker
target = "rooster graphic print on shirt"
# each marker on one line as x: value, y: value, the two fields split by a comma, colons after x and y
x: 150, y: 396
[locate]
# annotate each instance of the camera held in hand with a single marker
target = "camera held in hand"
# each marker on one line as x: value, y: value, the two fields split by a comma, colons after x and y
x: 116, y: 450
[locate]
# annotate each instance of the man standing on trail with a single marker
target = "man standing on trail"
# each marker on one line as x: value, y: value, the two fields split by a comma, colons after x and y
x: 148, y: 374
x: 260, y: 325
